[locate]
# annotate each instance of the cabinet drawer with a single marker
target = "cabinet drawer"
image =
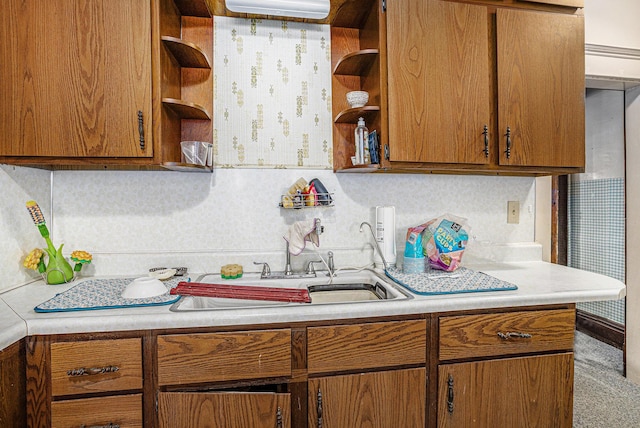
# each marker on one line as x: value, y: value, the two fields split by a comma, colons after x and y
x: 96, y: 366
x: 124, y: 411
x: 507, y: 333
x: 363, y: 346
x: 212, y: 357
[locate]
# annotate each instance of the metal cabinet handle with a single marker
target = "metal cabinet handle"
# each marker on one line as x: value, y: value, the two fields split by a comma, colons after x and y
x: 485, y: 132
x: 319, y: 408
x: 508, y: 335
x: 92, y: 371
x: 141, y: 129
x: 279, y: 418
x: 450, y: 394
x: 508, y: 135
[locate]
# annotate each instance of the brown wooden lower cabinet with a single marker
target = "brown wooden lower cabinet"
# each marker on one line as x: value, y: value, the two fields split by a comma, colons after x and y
x: 224, y: 410
x: 387, y: 399
x: 13, y: 407
x: 509, y: 367
x: 512, y: 392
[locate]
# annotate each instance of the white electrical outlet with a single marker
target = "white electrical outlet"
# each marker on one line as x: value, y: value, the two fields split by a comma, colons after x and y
x: 513, y: 212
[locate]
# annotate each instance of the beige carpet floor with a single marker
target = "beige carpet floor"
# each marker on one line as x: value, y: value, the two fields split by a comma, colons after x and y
x: 603, y: 397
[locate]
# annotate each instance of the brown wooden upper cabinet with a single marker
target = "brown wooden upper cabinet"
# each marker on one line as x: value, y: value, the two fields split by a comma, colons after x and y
x: 465, y: 87
x: 540, y: 88
x: 75, y: 78
x: 104, y: 83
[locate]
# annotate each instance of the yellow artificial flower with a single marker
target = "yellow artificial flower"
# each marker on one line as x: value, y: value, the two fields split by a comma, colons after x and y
x: 33, y: 259
x: 80, y: 256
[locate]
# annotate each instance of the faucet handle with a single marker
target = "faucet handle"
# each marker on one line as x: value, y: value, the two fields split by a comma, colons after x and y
x: 311, y: 270
x: 266, y: 270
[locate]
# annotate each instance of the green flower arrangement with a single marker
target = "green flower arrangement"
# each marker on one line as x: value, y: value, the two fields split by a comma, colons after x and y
x: 57, y: 269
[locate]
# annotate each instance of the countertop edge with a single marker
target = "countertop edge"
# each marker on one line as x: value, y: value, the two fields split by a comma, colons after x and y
x: 560, y: 285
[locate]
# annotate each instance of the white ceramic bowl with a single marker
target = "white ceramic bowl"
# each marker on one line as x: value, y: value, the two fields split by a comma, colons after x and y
x: 357, y: 98
x: 144, y: 287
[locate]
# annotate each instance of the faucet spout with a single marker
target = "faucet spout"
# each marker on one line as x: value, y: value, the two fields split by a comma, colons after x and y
x: 287, y: 266
x: 375, y: 241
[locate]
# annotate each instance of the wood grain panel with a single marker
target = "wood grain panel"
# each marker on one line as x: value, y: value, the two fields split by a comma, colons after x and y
x: 38, y: 382
x: 124, y: 411
x: 394, y: 398
x: 223, y: 410
x: 541, y: 88
x: 438, y: 80
x: 362, y: 346
x: 13, y: 396
x: 211, y: 357
x: 74, y: 75
x: 125, y: 354
x: 473, y: 336
x: 516, y: 392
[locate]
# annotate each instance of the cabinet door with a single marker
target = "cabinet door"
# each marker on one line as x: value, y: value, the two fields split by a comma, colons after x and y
x: 517, y: 392
x: 74, y: 76
x: 224, y: 410
x: 378, y: 400
x: 540, y: 88
x: 438, y: 80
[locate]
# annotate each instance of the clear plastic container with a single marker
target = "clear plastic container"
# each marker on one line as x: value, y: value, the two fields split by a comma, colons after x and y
x: 362, y: 143
x: 197, y: 153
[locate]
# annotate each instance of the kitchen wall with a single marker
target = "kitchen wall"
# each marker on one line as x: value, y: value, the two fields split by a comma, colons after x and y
x: 612, y: 40
x: 18, y: 234
x: 132, y: 221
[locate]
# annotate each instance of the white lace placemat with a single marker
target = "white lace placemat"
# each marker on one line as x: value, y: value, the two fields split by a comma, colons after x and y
x: 462, y: 280
x: 104, y: 294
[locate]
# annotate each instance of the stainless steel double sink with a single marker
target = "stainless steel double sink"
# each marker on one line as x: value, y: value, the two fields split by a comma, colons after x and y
x: 366, y: 286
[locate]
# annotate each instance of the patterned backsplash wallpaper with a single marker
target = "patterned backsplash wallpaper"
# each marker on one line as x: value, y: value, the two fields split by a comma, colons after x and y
x: 272, y: 94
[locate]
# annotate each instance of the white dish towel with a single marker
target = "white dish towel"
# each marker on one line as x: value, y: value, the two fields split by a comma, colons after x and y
x: 299, y: 233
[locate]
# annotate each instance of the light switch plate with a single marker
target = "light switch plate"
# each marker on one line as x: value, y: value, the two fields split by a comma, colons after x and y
x: 513, y: 212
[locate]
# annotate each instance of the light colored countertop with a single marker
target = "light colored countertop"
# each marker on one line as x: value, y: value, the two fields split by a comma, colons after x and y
x: 12, y: 327
x: 539, y: 283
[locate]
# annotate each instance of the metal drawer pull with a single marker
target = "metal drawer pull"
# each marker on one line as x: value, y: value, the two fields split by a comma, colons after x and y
x: 485, y: 132
x: 101, y: 426
x: 509, y: 335
x: 279, y: 418
x: 508, y: 135
x: 141, y: 129
x: 92, y: 371
x: 450, y: 394
x: 319, y: 408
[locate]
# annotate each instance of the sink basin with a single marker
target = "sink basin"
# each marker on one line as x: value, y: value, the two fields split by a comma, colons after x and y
x: 346, y: 287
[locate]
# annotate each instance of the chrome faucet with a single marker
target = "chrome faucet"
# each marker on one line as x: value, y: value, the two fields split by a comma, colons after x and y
x: 287, y: 266
x: 375, y: 241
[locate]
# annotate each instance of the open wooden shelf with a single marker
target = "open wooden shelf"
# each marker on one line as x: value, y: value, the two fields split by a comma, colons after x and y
x: 356, y: 63
x: 199, y: 8
x: 187, y: 54
x: 186, y: 110
x: 351, y: 115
